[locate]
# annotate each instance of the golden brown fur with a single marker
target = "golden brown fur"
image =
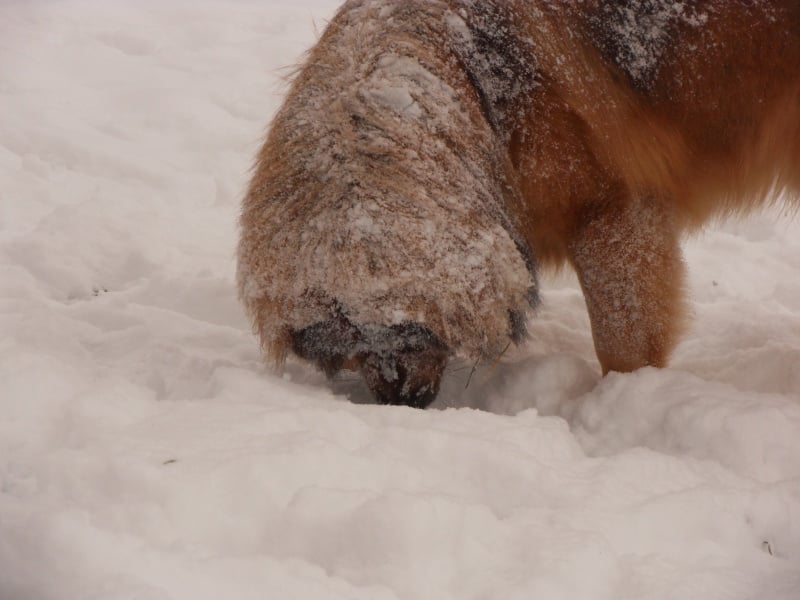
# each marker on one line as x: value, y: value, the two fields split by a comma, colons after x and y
x: 716, y: 131
x: 591, y: 133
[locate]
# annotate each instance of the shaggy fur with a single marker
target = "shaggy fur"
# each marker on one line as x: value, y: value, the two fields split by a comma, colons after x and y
x: 430, y: 152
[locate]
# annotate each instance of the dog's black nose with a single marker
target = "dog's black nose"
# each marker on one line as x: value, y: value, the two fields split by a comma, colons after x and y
x: 401, y: 364
x: 406, y: 366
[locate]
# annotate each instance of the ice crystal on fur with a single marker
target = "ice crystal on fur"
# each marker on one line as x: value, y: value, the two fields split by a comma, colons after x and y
x: 639, y: 31
x: 501, y: 64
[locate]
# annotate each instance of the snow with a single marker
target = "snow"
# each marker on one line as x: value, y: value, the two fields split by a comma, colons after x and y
x: 146, y: 453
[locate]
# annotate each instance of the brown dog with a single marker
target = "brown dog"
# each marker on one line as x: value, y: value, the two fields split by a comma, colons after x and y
x: 431, y: 152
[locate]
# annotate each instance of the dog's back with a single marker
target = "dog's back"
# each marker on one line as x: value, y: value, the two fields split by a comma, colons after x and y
x: 697, y: 102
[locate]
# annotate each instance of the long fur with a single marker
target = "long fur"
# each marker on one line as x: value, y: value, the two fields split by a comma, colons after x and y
x: 431, y: 152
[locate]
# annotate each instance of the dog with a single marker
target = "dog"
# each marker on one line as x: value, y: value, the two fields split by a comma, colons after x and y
x: 432, y: 155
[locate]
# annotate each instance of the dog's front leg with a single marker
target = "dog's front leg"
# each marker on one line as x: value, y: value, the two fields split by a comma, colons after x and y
x: 629, y: 265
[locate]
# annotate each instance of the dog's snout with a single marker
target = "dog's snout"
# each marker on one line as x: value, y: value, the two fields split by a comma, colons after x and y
x: 401, y: 363
x: 408, y: 368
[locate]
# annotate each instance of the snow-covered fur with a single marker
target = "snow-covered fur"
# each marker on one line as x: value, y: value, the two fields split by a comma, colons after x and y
x: 383, y: 190
x: 430, y: 150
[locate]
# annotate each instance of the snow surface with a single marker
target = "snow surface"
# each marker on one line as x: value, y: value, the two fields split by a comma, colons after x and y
x: 146, y: 453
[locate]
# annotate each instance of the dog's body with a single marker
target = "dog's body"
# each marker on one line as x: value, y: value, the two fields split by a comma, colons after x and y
x: 431, y: 152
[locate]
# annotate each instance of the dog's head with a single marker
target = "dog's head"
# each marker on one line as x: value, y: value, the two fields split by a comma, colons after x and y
x: 378, y: 231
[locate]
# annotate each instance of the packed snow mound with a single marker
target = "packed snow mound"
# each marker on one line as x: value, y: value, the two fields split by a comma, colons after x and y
x: 147, y: 453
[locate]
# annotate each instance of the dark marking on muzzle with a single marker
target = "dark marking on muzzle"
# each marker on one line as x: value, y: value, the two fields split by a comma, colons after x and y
x: 401, y: 364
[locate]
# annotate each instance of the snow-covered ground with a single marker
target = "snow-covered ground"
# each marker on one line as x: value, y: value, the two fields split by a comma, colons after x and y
x: 146, y: 453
